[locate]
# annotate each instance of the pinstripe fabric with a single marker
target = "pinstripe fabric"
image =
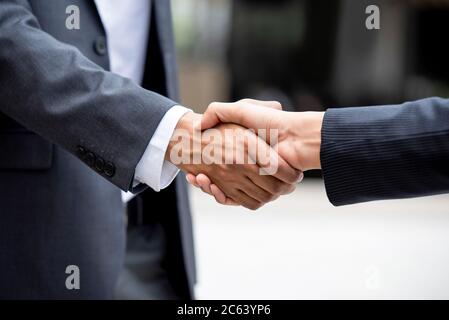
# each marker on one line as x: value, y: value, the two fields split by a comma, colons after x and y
x: 386, y: 152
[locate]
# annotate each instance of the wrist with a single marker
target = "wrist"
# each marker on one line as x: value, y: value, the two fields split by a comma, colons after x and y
x: 187, y: 125
x: 307, y: 139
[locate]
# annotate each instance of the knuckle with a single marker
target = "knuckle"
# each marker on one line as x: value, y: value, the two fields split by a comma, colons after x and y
x: 286, y: 187
x: 213, y: 105
x: 291, y: 188
x: 293, y: 176
x: 221, y: 171
x: 245, y: 100
x: 278, y: 187
x: 277, y: 105
x: 224, y: 172
x: 267, y: 197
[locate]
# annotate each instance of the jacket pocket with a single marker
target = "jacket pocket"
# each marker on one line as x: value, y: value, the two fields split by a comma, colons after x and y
x: 24, y: 150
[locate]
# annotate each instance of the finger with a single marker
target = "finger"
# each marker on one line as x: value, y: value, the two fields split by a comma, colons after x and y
x: 204, y: 182
x: 244, y: 200
x: 287, y: 173
x: 270, y: 162
x: 269, y: 104
x: 206, y: 185
x: 192, y: 180
x: 250, y: 203
x: 271, y: 184
x: 217, y: 112
x: 256, y: 192
x: 237, y: 195
x: 220, y: 197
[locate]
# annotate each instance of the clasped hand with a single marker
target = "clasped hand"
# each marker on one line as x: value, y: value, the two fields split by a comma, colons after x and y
x: 246, y: 167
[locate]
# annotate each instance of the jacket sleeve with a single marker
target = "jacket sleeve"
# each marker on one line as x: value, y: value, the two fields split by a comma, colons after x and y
x: 386, y: 152
x: 52, y: 89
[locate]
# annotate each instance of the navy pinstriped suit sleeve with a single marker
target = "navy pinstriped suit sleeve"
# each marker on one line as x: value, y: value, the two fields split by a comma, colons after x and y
x: 386, y: 152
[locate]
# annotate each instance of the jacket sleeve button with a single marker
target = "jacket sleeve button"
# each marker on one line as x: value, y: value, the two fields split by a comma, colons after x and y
x: 109, y: 169
x: 80, y: 151
x: 100, y: 46
x: 90, y: 159
x: 99, y: 164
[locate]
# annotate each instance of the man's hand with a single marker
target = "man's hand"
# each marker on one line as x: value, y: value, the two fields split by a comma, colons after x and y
x: 231, y: 167
x: 298, y: 139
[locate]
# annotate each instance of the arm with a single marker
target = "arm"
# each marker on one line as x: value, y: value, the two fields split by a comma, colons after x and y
x: 54, y: 90
x: 366, y: 153
x: 386, y: 152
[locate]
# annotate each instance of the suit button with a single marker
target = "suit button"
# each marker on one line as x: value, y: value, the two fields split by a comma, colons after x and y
x: 99, y: 164
x: 90, y: 159
x: 100, y: 46
x: 80, y: 151
x: 109, y: 169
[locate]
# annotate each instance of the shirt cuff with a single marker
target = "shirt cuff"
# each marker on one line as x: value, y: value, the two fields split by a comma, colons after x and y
x: 152, y: 168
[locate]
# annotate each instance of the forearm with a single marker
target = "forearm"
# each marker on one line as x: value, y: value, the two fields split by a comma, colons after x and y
x: 386, y: 152
x: 52, y: 89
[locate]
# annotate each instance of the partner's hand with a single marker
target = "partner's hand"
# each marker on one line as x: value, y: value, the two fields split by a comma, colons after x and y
x: 230, y: 166
x: 298, y: 134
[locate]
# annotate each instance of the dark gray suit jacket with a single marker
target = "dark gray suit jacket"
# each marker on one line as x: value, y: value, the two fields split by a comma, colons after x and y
x: 71, y: 135
x: 386, y: 152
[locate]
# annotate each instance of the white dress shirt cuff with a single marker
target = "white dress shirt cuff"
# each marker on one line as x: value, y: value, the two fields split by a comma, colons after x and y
x: 152, y: 168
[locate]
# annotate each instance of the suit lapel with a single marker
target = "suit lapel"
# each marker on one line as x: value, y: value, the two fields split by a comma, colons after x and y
x: 162, y: 10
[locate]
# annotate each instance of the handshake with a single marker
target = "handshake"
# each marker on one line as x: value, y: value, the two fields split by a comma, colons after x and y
x: 246, y: 153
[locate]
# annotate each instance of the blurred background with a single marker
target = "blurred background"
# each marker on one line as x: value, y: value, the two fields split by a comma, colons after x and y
x: 312, y: 55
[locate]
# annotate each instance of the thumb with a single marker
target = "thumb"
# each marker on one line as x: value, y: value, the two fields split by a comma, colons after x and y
x: 255, y: 116
x: 268, y: 104
x: 218, y: 112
